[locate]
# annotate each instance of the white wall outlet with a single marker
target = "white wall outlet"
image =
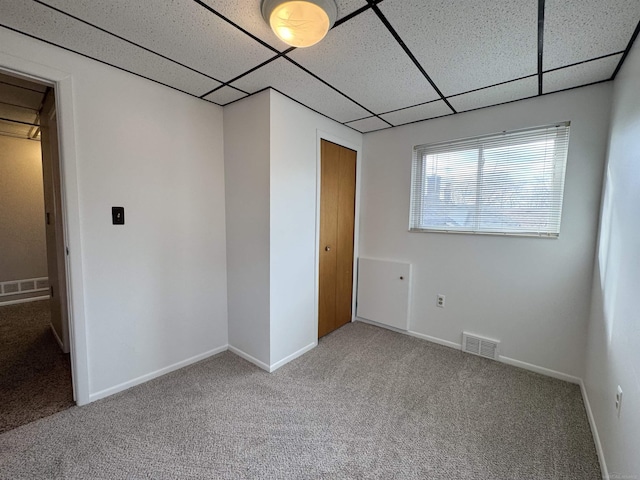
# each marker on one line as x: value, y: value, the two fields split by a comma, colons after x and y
x: 441, y: 299
x: 618, y: 400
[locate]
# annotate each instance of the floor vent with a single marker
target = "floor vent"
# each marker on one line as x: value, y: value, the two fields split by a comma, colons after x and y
x: 484, y: 347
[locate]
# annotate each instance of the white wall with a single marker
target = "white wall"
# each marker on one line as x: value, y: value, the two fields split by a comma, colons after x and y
x: 155, y: 288
x: 246, y: 153
x: 293, y: 202
x: 531, y: 293
x: 23, y: 249
x: 612, y: 354
x: 271, y: 153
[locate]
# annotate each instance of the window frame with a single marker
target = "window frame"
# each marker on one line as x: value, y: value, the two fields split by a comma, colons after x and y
x: 418, y: 166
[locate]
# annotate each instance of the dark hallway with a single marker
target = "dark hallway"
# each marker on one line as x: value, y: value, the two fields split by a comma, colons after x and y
x: 35, y: 375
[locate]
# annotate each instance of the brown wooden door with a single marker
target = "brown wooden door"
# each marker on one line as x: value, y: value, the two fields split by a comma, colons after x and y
x: 337, y: 217
x: 54, y: 227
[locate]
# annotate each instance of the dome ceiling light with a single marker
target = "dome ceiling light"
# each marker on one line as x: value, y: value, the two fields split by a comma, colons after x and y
x: 300, y: 23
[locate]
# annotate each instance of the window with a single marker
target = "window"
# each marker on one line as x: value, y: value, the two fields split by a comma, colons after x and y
x: 509, y: 183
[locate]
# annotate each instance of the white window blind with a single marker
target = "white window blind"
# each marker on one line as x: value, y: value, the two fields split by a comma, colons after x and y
x: 507, y: 183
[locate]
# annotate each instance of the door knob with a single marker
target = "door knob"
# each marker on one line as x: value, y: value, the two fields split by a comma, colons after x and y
x: 327, y: 248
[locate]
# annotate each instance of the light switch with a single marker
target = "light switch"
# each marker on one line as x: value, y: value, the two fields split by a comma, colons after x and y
x: 117, y: 215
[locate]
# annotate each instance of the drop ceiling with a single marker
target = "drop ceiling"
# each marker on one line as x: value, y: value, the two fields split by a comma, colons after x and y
x: 20, y: 103
x: 385, y: 63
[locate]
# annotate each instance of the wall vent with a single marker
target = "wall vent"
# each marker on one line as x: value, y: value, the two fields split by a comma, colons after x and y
x: 484, y: 347
x: 28, y: 285
x: 11, y: 287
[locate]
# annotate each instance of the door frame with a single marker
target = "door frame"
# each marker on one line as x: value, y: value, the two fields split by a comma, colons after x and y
x: 62, y: 82
x: 330, y: 137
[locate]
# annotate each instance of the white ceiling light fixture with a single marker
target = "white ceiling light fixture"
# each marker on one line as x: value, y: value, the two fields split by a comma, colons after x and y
x: 300, y: 23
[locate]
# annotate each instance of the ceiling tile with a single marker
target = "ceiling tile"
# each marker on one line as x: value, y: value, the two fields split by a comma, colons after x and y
x: 579, y: 30
x: 345, y: 7
x: 363, y: 60
x: 582, y: 74
x: 19, y: 82
x: 507, y: 92
x: 419, y: 112
x: 299, y: 85
x: 246, y: 14
x: 368, y: 124
x: 181, y: 29
x: 20, y: 96
x: 14, y: 129
x: 45, y: 23
x: 225, y: 95
x: 464, y: 45
x: 17, y: 113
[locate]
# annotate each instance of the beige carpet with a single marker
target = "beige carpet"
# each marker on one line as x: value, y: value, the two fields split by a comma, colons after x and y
x: 366, y: 403
x: 35, y: 376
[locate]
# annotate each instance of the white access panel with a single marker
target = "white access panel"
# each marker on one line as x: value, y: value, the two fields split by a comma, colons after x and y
x: 384, y: 291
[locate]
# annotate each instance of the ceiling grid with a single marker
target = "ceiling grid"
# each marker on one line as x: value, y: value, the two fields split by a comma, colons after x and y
x: 385, y: 63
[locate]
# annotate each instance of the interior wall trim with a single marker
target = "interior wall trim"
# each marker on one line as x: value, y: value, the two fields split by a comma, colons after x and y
x: 293, y: 356
x: 23, y: 300
x: 501, y: 358
x: 527, y: 366
x: 594, y: 431
x: 157, y: 373
x: 55, y: 335
x: 249, y: 358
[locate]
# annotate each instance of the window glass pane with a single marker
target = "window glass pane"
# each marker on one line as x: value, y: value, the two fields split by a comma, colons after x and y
x: 507, y: 183
x: 517, y: 187
x: 451, y: 189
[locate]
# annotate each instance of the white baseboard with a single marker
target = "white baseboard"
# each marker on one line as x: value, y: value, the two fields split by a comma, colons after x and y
x: 509, y: 361
x: 55, y: 334
x: 293, y: 356
x: 541, y: 370
x: 411, y: 333
x: 249, y: 358
x: 439, y: 341
x: 594, y: 431
x: 23, y: 300
x: 527, y: 366
x: 158, y: 373
x: 378, y: 324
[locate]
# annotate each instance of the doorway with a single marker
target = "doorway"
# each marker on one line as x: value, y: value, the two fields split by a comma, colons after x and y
x: 35, y: 365
x: 337, y: 229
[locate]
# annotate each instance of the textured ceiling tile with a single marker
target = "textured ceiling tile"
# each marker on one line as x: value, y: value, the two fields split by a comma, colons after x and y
x: 579, y: 30
x: 42, y: 22
x: 225, y: 95
x: 17, y: 113
x: 363, y: 60
x: 582, y: 74
x: 368, y: 124
x: 181, y: 29
x: 419, y: 112
x: 246, y: 14
x: 345, y: 7
x: 22, y: 83
x: 296, y: 83
x: 463, y: 44
x: 20, y: 96
x: 14, y: 129
x: 508, y: 92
